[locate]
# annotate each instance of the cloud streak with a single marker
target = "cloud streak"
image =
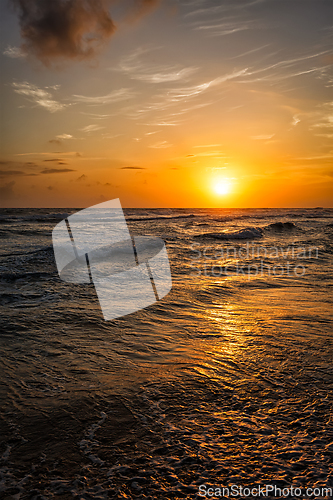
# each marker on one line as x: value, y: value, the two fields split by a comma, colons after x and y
x: 114, y: 96
x: 132, y: 168
x: 13, y: 52
x: 39, y: 96
x: 91, y: 128
x: 136, y: 69
x: 57, y: 170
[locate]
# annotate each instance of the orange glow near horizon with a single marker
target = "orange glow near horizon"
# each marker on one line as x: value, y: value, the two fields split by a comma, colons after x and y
x: 219, y: 116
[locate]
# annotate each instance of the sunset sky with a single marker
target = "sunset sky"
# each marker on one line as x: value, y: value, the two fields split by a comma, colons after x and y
x: 189, y: 103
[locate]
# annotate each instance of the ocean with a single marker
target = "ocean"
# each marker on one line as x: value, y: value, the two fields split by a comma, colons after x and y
x: 225, y: 382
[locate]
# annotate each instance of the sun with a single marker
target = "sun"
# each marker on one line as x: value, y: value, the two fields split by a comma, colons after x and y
x: 222, y: 187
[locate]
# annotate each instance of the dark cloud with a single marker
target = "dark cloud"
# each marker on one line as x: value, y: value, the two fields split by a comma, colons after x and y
x: 57, y: 170
x: 109, y: 184
x: 6, y: 173
x: 11, y: 172
x: 53, y: 159
x: 9, y: 168
x: 70, y: 29
x: 132, y: 168
x: 82, y: 177
x: 55, y: 141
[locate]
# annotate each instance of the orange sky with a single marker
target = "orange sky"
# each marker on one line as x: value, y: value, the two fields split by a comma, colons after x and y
x: 171, y: 104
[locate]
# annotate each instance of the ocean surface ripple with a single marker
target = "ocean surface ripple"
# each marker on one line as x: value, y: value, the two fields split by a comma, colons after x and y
x: 227, y: 380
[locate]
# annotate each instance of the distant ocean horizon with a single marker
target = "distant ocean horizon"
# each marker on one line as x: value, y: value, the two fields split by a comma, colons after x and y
x: 227, y: 380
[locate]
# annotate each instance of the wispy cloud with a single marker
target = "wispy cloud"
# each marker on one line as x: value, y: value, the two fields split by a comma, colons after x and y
x: 248, y: 52
x: 295, y: 120
x: 222, y: 29
x: 39, y: 96
x: 264, y: 137
x: 92, y: 128
x: 181, y: 95
x: 96, y: 116
x: 137, y: 69
x: 64, y: 136
x: 13, y: 52
x: 207, y: 145
x: 114, y: 96
x: 187, y: 92
x: 214, y: 154
x: 66, y: 153
x: 162, y: 124
x: 161, y: 145
x: 288, y: 68
x: 225, y: 18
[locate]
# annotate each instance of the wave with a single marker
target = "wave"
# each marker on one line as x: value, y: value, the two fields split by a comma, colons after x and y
x: 159, y: 217
x: 38, y: 250
x: 248, y: 233
x: 13, y: 219
x: 281, y: 226
x: 18, y: 276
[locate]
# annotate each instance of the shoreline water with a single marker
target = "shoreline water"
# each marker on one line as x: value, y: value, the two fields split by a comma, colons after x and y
x: 228, y: 380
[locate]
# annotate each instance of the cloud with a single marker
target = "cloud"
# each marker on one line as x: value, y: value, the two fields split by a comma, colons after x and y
x: 139, y: 70
x: 13, y: 52
x: 70, y: 29
x: 91, y: 128
x: 114, y: 96
x: 64, y: 136
x: 132, y: 168
x: 53, y: 159
x: 5, y: 173
x: 207, y: 145
x: 187, y: 92
x: 262, y: 137
x: 82, y: 177
x: 160, y: 145
x: 55, y: 141
x: 222, y: 29
x: 11, y: 168
x: 295, y: 120
x: 39, y: 96
x: 67, y: 153
x: 97, y: 116
x: 214, y: 154
x: 57, y: 170
x: 182, y: 95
